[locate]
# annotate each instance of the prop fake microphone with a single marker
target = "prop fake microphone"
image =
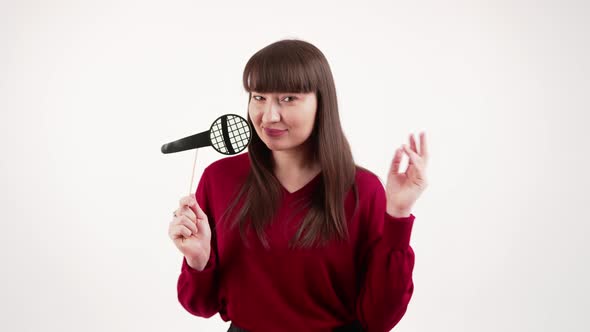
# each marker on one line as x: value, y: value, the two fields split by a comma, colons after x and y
x: 229, y: 134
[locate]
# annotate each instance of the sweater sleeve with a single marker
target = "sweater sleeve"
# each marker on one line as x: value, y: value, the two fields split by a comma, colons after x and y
x: 389, y: 261
x: 197, y: 290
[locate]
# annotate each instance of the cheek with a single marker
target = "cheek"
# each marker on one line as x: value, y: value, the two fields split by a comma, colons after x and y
x: 254, y: 115
x: 307, y: 120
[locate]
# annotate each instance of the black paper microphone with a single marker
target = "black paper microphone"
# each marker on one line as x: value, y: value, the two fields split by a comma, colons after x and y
x: 229, y: 134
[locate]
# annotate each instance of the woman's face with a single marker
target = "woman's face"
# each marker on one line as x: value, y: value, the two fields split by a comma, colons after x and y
x: 283, y: 120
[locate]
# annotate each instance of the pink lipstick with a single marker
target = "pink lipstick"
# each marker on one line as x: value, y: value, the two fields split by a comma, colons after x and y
x: 274, y: 132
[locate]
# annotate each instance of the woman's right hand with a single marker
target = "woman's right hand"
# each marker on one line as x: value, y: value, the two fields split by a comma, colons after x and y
x: 191, y: 233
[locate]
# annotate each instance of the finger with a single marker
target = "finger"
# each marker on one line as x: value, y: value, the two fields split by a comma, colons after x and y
x: 188, y: 212
x: 423, y: 146
x: 204, y: 228
x: 397, y: 159
x: 185, y: 231
x: 184, y: 220
x: 177, y: 231
x: 191, y: 202
x: 199, y: 212
x: 414, y: 157
x: 413, y: 143
x: 187, y: 200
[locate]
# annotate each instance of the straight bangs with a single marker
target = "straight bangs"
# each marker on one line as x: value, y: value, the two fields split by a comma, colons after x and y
x: 280, y: 70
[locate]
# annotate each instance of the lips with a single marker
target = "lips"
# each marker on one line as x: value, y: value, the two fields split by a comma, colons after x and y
x: 274, y: 132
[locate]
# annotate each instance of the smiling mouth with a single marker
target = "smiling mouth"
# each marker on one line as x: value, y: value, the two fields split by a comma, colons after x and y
x: 274, y: 132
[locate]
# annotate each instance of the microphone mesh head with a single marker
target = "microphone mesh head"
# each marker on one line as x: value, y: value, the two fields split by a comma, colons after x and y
x: 230, y: 134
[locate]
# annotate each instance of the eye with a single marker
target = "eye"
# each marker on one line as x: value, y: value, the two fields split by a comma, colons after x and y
x: 260, y: 98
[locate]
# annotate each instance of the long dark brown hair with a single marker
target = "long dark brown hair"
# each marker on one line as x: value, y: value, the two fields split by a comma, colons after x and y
x: 292, y: 65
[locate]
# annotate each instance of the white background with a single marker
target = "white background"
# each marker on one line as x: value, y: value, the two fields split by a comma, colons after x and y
x: 89, y: 91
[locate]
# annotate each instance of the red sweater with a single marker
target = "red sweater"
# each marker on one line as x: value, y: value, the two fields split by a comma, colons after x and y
x: 368, y: 279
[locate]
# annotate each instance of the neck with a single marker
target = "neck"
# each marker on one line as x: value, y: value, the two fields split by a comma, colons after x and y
x: 293, y: 162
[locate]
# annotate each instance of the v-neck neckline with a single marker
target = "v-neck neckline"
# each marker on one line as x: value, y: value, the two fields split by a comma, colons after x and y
x: 304, y: 189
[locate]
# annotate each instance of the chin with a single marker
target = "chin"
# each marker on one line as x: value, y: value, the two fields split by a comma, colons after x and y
x: 280, y: 147
x: 275, y: 147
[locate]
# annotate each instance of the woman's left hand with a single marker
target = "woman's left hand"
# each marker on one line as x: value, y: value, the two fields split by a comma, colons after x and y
x: 403, y: 189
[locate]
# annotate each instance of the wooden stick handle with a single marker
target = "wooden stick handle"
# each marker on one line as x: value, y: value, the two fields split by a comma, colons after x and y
x: 190, y: 191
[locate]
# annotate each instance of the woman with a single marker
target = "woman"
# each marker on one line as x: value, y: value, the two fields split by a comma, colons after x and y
x: 292, y: 235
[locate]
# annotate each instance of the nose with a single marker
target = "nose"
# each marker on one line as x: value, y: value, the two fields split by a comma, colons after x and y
x: 271, y: 113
